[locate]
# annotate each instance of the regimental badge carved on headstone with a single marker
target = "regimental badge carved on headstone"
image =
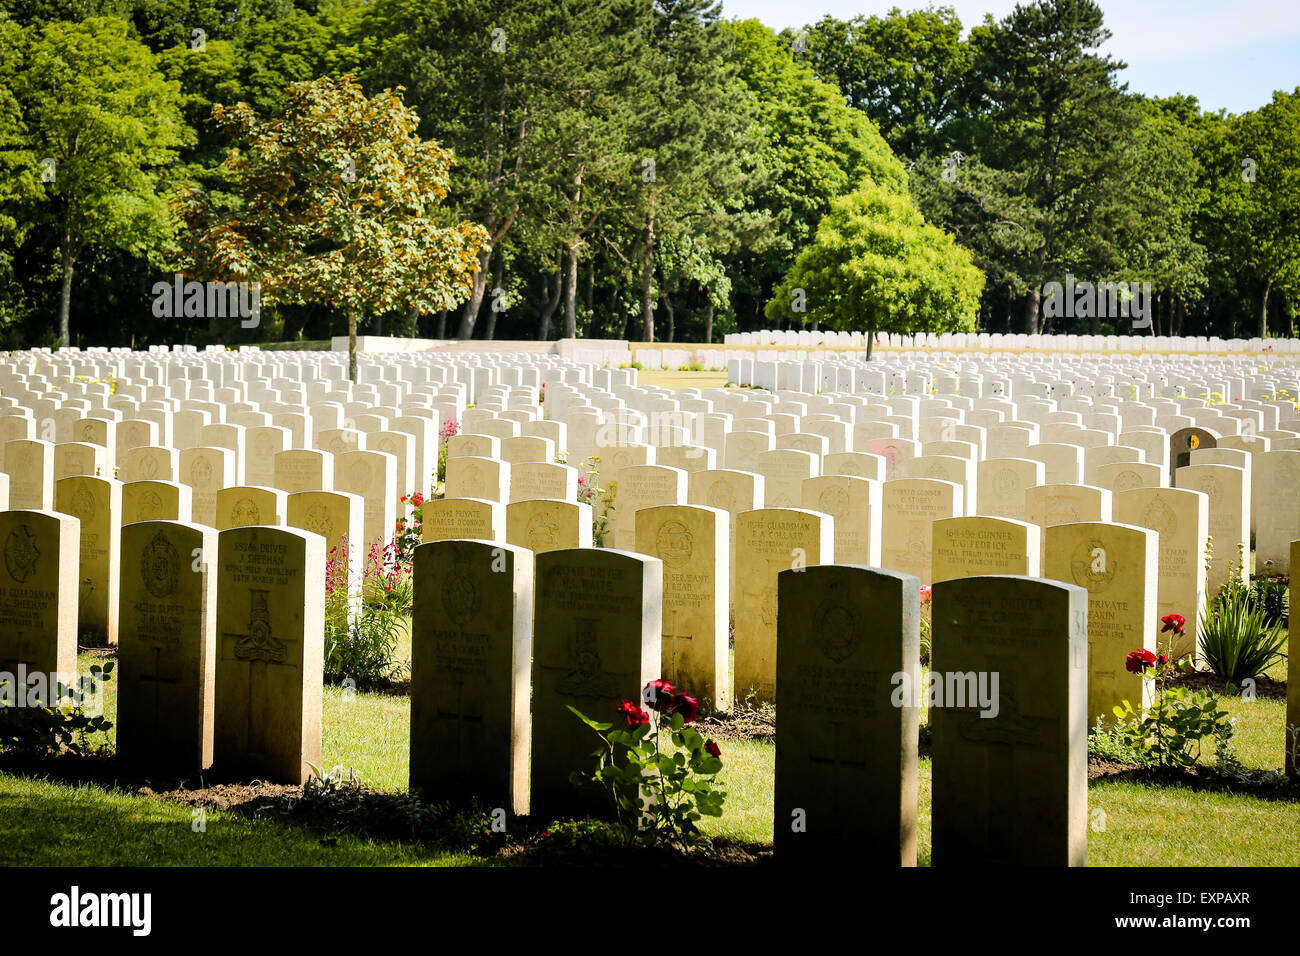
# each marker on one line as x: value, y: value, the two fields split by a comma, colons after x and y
x: 838, y: 633
x: 160, y: 567
x: 1091, y: 566
x: 245, y: 512
x: 586, y: 677
x: 21, y: 553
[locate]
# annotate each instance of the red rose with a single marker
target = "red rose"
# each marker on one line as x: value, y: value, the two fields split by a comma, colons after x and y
x: 713, y: 748
x: 1173, y: 622
x: 687, y: 706
x: 1138, y: 661
x: 658, y: 695
x: 633, y: 714
x: 1162, y: 659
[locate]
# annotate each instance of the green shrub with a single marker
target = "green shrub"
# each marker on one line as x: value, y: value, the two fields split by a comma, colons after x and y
x: 1237, y: 639
x: 1173, y: 731
x: 29, y: 728
x: 365, y: 650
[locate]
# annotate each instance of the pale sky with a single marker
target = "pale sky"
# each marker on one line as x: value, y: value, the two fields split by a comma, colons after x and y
x: 1229, y: 55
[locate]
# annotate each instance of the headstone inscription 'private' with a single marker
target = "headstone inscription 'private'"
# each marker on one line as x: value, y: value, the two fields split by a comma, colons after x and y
x: 1116, y: 564
x: 691, y: 541
x: 471, y: 649
x: 769, y: 541
x: 1010, y: 781
x: 597, y: 625
x: 448, y: 518
x: 846, y: 767
x: 38, y: 594
x: 270, y: 653
x: 1181, y: 517
x: 97, y: 504
x: 167, y: 645
x: 967, y: 547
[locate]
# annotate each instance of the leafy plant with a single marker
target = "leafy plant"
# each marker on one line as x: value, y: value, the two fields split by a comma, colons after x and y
x: 657, y: 794
x: 1237, y: 639
x: 1267, y: 591
x: 926, y: 627
x: 1173, y: 731
x: 363, y: 650
x: 1111, y: 745
x: 449, y: 429
x: 601, y: 501
x: 409, y: 533
x: 31, y: 727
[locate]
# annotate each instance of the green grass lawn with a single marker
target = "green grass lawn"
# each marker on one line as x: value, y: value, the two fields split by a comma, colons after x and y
x: 1141, y: 823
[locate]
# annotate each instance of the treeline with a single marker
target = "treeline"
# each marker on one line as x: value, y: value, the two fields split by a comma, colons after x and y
x: 646, y: 170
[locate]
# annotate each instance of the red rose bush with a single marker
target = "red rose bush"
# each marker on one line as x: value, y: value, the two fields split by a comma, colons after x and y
x: 657, y: 793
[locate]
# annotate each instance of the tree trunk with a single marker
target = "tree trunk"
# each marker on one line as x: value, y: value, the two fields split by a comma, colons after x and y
x: 672, y: 319
x: 413, y: 322
x: 647, y: 282
x: 552, y: 303
x: 591, y: 281
x: 65, y: 298
x: 571, y: 293
x: 708, y: 324
x: 871, y: 343
x: 352, y: 345
x: 442, y: 324
x: 1030, y: 317
x: 469, y: 315
x: 1263, y: 308
x: 491, y: 330
x: 379, y: 324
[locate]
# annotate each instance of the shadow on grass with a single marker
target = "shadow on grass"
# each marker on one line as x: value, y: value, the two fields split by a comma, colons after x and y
x: 338, y: 823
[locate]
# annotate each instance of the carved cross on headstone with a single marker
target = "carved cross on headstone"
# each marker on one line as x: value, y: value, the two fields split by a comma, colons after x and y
x: 259, y: 649
x: 840, y: 790
x: 157, y: 679
x: 675, y: 645
x: 460, y: 716
x: 1004, y: 737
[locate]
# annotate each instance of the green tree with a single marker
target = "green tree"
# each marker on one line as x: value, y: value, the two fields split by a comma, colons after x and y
x: 812, y: 148
x: 1254, y: 202
x: 906, y: 71
x: 878, y: 266
x: 1042, y: 98
x: 96, y: 105
x: 338, y: 204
